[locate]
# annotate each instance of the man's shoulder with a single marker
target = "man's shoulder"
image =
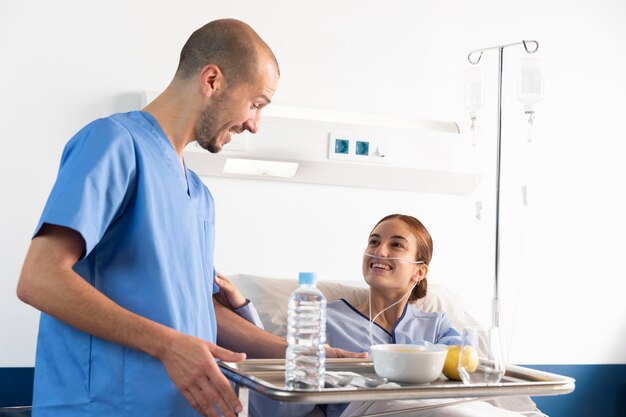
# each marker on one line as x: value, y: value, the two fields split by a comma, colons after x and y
x: 107, y: 138
x: 113, y: 126
x: 116, y: 130
x: 128, y: 125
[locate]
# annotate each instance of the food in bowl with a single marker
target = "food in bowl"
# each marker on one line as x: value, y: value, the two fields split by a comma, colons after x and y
x: 409, y: 363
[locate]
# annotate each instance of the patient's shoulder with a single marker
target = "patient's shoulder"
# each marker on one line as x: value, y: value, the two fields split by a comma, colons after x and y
x: 415, y: 311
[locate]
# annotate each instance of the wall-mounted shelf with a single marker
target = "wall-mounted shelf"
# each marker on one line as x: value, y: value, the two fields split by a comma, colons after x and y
x: 376, y: 152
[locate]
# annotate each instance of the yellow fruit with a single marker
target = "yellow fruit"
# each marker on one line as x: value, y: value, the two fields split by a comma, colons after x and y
x: 470, y: 361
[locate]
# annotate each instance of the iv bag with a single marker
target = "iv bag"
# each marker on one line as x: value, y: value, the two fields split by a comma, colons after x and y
x: 530, y: 82
x: 474, y: 90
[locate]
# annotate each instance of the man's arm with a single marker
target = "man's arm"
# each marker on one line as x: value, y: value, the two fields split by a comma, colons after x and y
x: 49, y: 283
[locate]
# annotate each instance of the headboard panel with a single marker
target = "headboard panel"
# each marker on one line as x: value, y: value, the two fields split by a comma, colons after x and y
x: 270, y: 297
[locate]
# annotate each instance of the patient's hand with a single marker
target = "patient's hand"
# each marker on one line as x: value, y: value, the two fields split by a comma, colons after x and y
x: 229, y: 294
x: 332, y: 352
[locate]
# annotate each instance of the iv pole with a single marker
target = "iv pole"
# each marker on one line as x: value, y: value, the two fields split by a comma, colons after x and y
x: 496, y: 298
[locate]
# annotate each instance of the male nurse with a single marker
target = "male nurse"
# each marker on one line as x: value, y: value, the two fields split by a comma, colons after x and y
x: 121, y: 263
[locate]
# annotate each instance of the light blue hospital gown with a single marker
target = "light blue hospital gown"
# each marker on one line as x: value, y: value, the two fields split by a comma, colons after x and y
x: 347, y: 328
x: 148, y: 228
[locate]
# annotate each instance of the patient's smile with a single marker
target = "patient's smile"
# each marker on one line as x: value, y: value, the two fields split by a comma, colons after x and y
x: 380, y: 266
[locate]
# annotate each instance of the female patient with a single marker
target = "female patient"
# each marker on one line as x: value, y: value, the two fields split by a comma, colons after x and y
x: 395, y: 266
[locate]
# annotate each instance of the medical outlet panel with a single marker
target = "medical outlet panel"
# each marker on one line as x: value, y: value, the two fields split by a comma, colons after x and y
x: 358, y: 148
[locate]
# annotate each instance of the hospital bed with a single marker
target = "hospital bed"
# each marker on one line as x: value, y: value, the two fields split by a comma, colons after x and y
x: 270, y: 297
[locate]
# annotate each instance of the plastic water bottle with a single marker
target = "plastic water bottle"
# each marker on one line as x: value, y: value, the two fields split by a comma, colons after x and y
x: 306, y: 335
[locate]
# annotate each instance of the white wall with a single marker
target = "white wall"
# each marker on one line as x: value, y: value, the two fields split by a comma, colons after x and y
x: 64, y: 63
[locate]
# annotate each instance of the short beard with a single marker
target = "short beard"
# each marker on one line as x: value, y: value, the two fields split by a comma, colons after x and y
x: 205, y: 131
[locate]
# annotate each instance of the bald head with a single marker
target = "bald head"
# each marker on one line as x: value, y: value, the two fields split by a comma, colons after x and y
x: 231, y: 45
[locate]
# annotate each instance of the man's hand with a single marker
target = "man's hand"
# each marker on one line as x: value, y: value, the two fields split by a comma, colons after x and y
x: 229, y: 295
x: 332, y: 352
x: 190, y: 365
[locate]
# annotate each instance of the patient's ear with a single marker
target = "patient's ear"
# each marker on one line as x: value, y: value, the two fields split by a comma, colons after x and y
x: 420, y: 273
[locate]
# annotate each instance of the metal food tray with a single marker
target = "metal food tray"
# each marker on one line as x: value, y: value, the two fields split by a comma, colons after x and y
x: 266, y: 376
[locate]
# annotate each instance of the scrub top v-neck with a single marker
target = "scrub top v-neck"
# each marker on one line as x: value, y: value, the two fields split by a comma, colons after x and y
x: 148, y: 226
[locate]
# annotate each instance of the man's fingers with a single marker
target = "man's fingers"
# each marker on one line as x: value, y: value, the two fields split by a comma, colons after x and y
x: 205, y: 395
x: 215, y: 394
x: 204, y: 403
x: 191, y: 366
x: 222, y: 387
x: 187, y: 393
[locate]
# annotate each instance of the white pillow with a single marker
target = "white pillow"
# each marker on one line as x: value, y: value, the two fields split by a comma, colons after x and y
x: 270, y: 297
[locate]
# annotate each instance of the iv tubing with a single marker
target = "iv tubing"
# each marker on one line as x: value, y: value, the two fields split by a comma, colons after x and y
x: 369, y: 296
x: 395, y: 258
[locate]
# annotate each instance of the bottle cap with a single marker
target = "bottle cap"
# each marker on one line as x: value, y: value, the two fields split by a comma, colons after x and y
x: 309, y: 278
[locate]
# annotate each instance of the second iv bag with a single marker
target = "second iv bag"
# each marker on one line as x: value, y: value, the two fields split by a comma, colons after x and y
x: 474, y: 90
x: 530, y: 85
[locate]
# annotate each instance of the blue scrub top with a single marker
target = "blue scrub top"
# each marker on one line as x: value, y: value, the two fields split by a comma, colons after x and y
x: 148, y: 228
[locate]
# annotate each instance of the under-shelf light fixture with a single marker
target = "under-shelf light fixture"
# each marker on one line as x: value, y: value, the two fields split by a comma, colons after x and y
x: 263, y: 168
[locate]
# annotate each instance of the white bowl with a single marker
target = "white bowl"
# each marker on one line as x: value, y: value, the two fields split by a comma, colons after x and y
x: 409, y: 363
